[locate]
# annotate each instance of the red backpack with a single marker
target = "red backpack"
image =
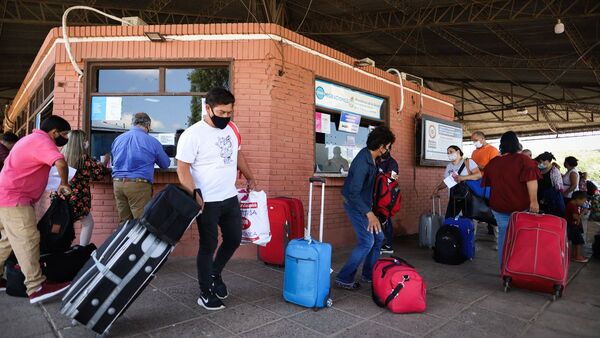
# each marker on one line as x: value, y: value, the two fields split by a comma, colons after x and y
x: 386, y: 196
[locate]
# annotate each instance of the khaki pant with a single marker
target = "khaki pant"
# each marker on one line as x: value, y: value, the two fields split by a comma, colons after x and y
x: 20, y: 234
x: 131, y: 198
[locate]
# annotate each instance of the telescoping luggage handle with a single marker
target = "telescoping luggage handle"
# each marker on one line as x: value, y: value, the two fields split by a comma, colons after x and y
x: 439, y: 205
x: 310, y: 198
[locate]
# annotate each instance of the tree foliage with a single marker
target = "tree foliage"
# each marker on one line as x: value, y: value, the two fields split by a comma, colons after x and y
x: 202, y: 80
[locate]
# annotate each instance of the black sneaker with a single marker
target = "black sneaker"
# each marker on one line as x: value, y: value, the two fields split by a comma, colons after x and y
x: 347, y: 286
x: 387, y: 249
x: 218, y: 287
x: 209, y: 301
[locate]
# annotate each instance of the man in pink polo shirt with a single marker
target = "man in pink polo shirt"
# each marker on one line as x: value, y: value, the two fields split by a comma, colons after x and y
x: 22, y: 182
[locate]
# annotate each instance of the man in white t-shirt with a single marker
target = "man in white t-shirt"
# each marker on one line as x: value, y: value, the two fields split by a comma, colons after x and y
x: 208, y: 159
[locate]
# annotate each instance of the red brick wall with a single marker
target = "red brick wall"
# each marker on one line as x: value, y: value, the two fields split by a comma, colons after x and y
x: 275, y: 114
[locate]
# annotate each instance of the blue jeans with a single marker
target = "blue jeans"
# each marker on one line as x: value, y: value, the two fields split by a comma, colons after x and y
x: 502, y: 221
x: 367, y: 248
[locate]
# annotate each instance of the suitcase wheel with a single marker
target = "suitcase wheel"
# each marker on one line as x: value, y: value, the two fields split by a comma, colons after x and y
x: 329, y: 302
x: 557, y: 292
x: 507, y: 283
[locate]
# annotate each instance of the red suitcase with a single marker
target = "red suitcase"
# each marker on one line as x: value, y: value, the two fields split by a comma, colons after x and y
x: 536, y: 253
x: 286, y: 216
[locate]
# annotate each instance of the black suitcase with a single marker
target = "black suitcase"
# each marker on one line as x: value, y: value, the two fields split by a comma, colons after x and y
x: 128, y: 260
x: 115, y: 276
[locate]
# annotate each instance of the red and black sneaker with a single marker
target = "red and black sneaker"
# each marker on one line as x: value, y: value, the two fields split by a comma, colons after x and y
x: 47, y: 291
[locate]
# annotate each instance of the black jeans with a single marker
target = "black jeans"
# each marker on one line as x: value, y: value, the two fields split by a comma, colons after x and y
x: 227, y: 215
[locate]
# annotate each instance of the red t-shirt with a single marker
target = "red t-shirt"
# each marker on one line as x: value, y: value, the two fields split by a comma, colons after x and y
x: 508, y: 176
x: 572, y: 209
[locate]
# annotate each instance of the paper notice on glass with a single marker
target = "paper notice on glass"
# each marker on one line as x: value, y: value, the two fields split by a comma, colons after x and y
x: 322, y: 123
x: 113, y: 108
x: 350, y: 141
x: 349, y: 122
x: 450, y: 182
x: 54, y: 178
x: 166, y: 139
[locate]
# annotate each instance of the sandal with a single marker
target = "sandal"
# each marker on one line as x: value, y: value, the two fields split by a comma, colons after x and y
x: 581, y: 260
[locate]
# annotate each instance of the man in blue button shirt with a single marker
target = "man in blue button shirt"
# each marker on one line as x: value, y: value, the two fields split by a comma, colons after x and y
x: 134, y: 155
x: 358, y: 203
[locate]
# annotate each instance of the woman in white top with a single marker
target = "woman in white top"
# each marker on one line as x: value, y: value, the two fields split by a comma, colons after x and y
x: 570, y: 178
x: 461, y: 170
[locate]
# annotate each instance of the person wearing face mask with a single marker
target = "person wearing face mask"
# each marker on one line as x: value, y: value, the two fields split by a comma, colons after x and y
x: 77, y: 156
x: 462, y: 170
x: 357, y: 195
x: 134, y: 155
x: 513, y: 178
x: 550, y: 186
x: 484, y: 151
x: 22, y: 182
x: 209, y: 156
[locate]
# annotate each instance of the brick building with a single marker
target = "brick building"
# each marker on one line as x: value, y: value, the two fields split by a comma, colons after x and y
x: 273, y: 73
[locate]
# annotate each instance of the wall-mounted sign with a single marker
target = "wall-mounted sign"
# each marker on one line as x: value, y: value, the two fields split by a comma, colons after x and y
x: 323, y: 123
x: 329, y: 95
x: 349, y: 122
x: 438, y: 137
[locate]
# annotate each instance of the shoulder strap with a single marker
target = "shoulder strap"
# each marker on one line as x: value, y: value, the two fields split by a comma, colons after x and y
x: 462, y: 166
x: 394, y: 293
x: 236, y: 131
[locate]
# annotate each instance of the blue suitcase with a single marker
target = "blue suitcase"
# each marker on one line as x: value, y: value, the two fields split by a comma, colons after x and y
x: 467, y: 233
x: 306, y: 280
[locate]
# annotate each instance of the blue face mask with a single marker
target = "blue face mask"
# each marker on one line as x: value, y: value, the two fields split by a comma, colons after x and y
x: 541, y: 166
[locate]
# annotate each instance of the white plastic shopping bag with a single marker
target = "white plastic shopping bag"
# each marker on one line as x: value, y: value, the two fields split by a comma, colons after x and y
x: 255, y: 217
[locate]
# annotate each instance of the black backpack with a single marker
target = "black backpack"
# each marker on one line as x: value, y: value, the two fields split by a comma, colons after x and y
x: 448, y: 246
x: 56, y: 227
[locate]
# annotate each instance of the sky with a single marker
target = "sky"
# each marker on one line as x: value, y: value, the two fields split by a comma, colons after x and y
x: 539, y: 144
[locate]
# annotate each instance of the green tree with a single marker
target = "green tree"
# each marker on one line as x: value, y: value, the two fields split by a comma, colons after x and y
x: 202, y: 80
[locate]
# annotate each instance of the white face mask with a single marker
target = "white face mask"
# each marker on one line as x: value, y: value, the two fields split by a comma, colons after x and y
x: 478, y: 144
x: 86, y: 145
x: 452, y: 156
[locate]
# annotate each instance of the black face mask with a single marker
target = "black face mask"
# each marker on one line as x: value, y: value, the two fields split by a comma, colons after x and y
x: 386, y: 156
x: 219, y: 122
x: 61, y: 141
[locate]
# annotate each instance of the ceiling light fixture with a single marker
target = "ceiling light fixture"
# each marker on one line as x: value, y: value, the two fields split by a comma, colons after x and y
x: 559, y: 28
x: 155, y: 36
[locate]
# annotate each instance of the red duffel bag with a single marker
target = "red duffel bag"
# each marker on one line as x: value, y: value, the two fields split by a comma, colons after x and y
x: 398, y: 286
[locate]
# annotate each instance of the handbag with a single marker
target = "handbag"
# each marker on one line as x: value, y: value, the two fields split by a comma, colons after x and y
x: 256, y: 227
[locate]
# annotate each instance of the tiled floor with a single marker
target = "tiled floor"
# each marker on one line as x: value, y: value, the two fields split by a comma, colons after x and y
x: 463, y: 301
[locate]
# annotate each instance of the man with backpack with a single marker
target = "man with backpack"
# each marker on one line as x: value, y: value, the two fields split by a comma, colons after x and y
x: 358, y: 203
x: 208, y: 159
x: 388, y: 176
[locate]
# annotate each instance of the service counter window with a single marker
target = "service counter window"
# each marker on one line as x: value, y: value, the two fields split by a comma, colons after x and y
x: 173, y: 97
x: 343, y: 120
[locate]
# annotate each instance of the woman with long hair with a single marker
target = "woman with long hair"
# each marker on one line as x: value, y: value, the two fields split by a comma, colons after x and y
x: 77, y: 156
x: 513, y: 178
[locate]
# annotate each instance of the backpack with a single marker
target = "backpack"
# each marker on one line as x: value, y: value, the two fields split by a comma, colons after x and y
x: 56, y: 227
x: 448, y: 246
x: 386, y: 196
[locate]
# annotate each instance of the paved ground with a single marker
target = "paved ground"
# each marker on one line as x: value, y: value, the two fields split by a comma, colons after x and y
x: 462, y: 301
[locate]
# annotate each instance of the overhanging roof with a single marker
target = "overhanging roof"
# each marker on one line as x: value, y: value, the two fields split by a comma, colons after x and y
x: 499, y: 58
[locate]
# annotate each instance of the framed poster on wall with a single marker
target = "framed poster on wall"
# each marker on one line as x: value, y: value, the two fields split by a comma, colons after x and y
x: 433, y: 138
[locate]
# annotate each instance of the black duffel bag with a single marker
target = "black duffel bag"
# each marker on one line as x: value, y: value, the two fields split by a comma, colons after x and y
x: 471, y: 205
x: 170, y: 213
x: 57, y: 267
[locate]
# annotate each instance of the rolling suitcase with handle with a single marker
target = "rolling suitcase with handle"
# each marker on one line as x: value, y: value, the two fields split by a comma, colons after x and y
x: 429, y: 224
x: 127, y: 261
x: 536, y: 253
x: 466, y: 227
x: 280, y: 219
x: 306, y: 279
